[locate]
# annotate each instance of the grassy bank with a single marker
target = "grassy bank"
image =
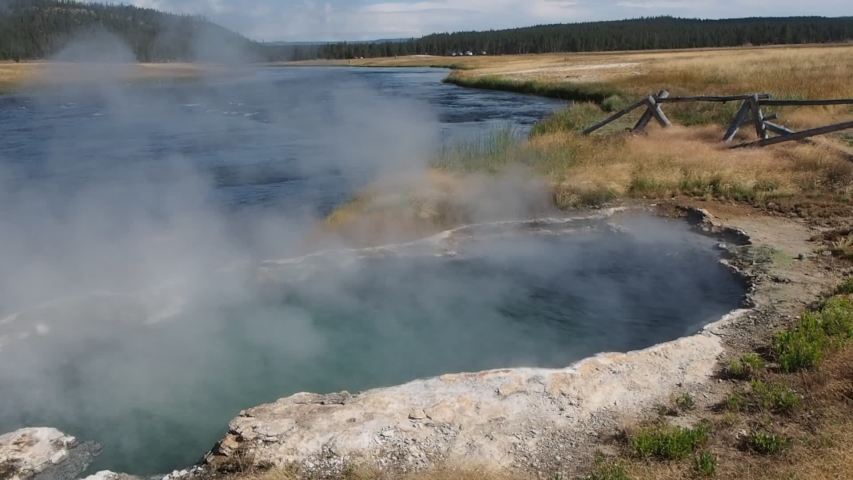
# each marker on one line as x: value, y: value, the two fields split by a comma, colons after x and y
x: 688, y: 159
x: 591, y: 92
x: 30, y: 75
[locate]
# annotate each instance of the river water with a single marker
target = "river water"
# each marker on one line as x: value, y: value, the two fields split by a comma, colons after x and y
x: 133, y: 220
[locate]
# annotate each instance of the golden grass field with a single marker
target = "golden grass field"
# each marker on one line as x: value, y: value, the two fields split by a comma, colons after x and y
x: 16, y: 76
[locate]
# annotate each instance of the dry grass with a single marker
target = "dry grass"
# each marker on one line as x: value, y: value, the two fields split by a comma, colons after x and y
x: 815, y: 71
x: 15, y: 76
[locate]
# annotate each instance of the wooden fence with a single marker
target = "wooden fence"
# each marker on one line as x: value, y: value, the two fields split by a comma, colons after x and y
x: 752, y: 104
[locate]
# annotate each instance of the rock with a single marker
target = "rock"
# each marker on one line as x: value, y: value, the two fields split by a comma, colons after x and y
x: 228, y: 445
x: 105, y: 475
x: 801, y: 256
x: 417, y: 414
x: 43, y: 454
x: 441, y: 413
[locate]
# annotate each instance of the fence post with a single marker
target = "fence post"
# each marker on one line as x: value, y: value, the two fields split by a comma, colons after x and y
x: 739, y: 119
x: 758, y: 118
x: 647, y: 116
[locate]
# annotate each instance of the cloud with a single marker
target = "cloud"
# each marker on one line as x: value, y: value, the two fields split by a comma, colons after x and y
x: 318, y: 20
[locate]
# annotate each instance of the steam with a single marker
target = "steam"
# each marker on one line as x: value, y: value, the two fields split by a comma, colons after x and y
x: 130, y: 302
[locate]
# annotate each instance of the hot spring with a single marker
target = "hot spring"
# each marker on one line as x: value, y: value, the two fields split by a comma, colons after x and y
x: 155, y: 375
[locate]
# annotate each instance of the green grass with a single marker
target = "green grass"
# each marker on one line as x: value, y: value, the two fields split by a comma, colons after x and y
x: 666, y: 442
x: 805, y: 346
x: 776, y: 397
x: 765, y: 397
x: 490, y: 152
x: 573, y: 119
x: 766, y: 443
x: 737, y: 402
x: 705, y: 465
x: 744, y: 368
x: 846, y: 287
x: 605, y: 469
x: 585, y: 92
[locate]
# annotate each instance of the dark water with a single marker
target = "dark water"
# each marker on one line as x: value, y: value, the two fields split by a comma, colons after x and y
x: 282, y: 138
x: 131, y: 204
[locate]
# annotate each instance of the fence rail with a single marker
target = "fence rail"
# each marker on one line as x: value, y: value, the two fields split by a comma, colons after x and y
x: 749, y: 113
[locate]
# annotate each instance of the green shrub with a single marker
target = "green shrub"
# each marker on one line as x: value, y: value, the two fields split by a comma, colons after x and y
x: 803, y: 347
x: 846, y: 287
x: 669, y: 443
x: 776, y: 397
x: 746, y: 367
x: 608, y: 470
x: 767, y: 444
x: 705, y: 465
x: 615, y: 103
x: 737, y: 402
x: 837, y: 317
x: 685, y: 402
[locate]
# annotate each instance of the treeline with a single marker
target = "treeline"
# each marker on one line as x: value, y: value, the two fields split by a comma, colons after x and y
x: 31, y: 29
x: 638, y: 34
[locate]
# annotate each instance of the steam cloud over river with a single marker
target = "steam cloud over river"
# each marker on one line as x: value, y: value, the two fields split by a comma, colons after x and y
x: 133, y: 221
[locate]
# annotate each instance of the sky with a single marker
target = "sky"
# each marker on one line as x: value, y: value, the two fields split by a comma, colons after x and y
x: 335, y: 20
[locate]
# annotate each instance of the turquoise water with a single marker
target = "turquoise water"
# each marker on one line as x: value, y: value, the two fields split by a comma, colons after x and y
x: 158, y: 396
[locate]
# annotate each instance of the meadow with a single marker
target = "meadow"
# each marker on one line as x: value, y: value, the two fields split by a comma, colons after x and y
x: 20, y: 76
x: 690, y: 158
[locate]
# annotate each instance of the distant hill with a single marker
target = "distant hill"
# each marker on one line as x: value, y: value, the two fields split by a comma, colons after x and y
x: 32, y: 29
x: 637, y: 34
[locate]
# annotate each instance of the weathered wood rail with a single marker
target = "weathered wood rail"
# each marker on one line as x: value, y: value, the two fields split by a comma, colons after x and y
x: 750, y: 112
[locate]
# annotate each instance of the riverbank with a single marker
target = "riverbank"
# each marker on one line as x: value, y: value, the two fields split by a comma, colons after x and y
x: 29, y: 75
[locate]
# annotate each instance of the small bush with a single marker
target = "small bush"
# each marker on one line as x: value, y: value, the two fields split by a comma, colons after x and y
x: 837, y: 317
x: 615, y: 103
x: 737, y: 402
x: 767, y: 444
x: 685, y: 402
x: 776, y: 397
x: 608, y: 470
x: 846, y: 287
x: 705, y: 465
x: 746, y: 367
x: 804, y: 346
x: 669, y: 443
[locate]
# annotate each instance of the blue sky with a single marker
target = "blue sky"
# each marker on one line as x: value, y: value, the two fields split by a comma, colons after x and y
x: 371, y: 19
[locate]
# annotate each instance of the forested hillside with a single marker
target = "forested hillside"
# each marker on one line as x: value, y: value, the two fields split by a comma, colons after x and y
x: 638, y: 34
x: 42, y: 28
